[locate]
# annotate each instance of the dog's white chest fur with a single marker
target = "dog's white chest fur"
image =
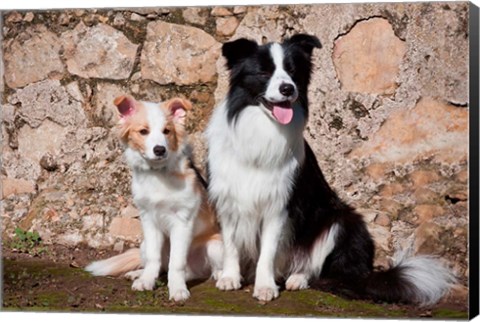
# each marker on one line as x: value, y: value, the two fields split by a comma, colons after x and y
x: 252, y: 162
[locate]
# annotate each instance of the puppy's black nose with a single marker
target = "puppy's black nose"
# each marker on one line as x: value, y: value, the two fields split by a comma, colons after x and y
x: 159, y: 150
x: 287, y: 89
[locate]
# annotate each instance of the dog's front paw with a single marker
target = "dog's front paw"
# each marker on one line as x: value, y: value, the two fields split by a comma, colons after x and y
x: 296, y: 282
x: 265, y: 293
x: 143, y: 284
x: 228, y: 283
x: 179, y: 295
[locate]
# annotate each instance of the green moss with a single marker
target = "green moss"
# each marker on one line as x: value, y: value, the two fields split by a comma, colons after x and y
x: 36, y: 309
x: 449, y: 314
x: 220, y: 306
x: 54, y: 287
x: 51, y: 299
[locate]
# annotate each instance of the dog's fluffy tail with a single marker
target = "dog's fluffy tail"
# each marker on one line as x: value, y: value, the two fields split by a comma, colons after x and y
x: 117, y: 265
x: 423, y: 280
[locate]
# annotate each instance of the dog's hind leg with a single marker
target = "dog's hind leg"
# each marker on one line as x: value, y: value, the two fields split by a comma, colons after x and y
x: 297, y: 281
x: 312, y: 267
x: 205, y: 258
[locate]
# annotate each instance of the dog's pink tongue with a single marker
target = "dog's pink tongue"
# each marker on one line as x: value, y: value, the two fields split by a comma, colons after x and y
x: 283, y: 115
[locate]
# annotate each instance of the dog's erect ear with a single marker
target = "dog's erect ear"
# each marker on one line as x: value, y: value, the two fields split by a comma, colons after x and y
x: 125, y: 105
x: 237, y: 50
x: 177, y: 108
x: 306, y: 42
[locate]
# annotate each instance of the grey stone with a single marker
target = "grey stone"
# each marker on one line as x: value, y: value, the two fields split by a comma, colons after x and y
x: 105, y: 110
x: 226, y: 26
x: 49, y: 99
x: 32, y: 56
x: 178, y: 54
x: 368, y: 58
x: 98, y: 52
x: 195, y: 15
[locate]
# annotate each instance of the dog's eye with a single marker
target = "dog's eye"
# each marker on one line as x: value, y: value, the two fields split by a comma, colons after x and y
x: 166, y: 131
x: 144, y: 131
x: 290, y: 70
x: 265, y: 74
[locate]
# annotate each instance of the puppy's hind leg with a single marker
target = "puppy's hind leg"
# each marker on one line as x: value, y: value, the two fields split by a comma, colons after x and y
x: 215, y: 255
x: 133, y: 275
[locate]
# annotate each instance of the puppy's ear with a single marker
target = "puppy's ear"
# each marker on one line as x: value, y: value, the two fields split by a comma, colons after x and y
x: 126, y: 106
x: 306, y: 42
x: 177, y: 109
x: 237, y: 50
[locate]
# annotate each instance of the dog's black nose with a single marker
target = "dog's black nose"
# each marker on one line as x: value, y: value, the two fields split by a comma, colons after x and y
x: 159, y: 150
x: 287, y: 89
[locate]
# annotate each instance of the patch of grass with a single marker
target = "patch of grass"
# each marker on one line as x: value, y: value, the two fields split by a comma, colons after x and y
x: 450, y: 314
x: 51, y: 299
x: 38, y: 285
x: 27, y: 242
x: 217, y: 305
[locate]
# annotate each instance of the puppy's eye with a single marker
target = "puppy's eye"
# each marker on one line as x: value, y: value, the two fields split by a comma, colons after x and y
x: 144, y: 131
x: 166, y: 131
x: 265, y: 74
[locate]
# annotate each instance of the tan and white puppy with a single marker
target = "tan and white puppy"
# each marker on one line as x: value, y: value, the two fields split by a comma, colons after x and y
x: 179, y: 226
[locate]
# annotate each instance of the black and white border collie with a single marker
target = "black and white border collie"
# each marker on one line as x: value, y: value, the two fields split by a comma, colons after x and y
x: 276, y: 211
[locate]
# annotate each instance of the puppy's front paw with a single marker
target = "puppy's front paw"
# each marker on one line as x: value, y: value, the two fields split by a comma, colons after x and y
x: 296, y: 282
x: 143, y: 284
x: 265, y: 293
x: 228, y: 283
x: 133, y: 275
x: 216, y: 274
x: 179, y: 295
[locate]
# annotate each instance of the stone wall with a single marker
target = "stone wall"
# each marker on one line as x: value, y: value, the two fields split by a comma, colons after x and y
x: 388, y: 118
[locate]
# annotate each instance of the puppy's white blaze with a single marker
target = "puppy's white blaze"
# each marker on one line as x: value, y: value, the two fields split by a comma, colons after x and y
x: 279, y: 76
x: 429, y: 276
x: 156, y: 122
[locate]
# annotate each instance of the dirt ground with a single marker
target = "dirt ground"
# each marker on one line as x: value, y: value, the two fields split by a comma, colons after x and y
x: 55, y: 281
